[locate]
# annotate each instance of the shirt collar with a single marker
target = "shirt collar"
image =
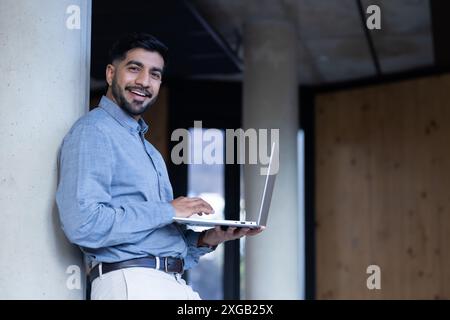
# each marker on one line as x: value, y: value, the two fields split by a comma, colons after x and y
x: 122, y: 117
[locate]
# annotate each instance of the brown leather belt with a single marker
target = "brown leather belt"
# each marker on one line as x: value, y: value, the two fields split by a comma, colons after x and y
x: 166, y: 264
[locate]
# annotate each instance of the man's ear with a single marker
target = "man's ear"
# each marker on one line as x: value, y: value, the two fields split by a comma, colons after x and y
x: 110, y: 70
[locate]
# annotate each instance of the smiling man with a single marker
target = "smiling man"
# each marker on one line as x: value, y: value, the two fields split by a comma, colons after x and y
x: 114, y: 196
x: 134, y: 82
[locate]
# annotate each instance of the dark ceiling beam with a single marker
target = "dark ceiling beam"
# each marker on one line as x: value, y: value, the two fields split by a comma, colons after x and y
x: 441, y: 27
x: 215, y: 35
x: 373, y: 52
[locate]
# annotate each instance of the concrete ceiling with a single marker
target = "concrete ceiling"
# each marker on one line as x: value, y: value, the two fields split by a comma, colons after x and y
x: 333, y: 45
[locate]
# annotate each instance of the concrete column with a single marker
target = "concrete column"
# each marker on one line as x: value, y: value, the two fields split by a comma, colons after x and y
x: 44, y: 83
x: 271, y: 101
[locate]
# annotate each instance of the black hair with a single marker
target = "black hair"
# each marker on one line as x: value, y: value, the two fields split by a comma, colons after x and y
x: 137, y: 40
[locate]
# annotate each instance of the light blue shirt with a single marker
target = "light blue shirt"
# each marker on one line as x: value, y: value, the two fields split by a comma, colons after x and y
x: 114, y: 192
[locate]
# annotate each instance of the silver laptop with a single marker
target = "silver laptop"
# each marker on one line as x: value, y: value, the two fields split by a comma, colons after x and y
x: 263, y: 210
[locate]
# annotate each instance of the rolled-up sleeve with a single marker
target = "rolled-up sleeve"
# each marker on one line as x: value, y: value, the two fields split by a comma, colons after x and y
x: 88, y: 218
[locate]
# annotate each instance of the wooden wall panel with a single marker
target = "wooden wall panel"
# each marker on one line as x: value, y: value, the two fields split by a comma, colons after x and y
x: 383, y: 190
x: 157, y: 118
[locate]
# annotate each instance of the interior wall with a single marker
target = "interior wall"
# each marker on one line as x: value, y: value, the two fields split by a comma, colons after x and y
x: 382, y: 196
x: 44, y: 80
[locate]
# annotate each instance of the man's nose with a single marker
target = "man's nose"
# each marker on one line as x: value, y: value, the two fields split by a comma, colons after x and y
x: 143, y: 79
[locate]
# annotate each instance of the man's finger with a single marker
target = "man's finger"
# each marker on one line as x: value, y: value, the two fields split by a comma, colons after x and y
x: 242, y: 232
x: 206, y: 204
x: 198, y: 201
x: 255, y: 231
x: 202, y: 209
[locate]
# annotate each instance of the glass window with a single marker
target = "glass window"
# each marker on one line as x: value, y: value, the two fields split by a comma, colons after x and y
x: 207, y: 182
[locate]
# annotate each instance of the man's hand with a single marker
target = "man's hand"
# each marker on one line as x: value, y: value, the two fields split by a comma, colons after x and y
x: 215, y: 236
x: 186, y: 207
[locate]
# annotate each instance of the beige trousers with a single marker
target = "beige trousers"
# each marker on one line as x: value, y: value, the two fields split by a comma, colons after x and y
x: 141, y: 284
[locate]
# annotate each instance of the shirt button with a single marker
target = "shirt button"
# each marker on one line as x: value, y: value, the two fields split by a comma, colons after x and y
x: 160, y: 174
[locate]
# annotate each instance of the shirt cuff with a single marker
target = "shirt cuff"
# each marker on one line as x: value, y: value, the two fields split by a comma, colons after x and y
x: 192, y: 240
x: 193, y: 252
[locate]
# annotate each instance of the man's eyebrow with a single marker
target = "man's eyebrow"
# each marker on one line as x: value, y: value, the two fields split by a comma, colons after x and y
x: 140, y: 64
x: 157, y: 69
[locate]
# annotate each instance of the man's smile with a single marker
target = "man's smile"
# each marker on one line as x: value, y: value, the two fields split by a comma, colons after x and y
x: 138, y: 93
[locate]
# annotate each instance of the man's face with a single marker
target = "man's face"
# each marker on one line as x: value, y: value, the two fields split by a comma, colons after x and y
x: 134, y: 82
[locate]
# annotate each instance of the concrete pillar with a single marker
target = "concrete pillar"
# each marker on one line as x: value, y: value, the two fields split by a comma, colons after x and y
x: 271, y: 101
x: 44, y: 83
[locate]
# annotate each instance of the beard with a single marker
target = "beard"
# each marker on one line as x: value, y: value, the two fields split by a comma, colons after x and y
x: 135, y: 107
